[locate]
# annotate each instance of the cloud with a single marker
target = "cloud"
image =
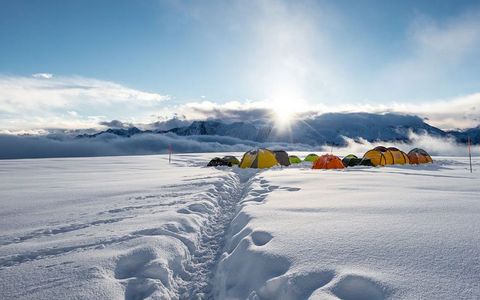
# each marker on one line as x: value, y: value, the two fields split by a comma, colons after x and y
x: 438, y: 58
x: 460, y: 112
x: 64, y: 145
x: 42, y: 75
x: 61, y: 145
x: 114, y: 124
x: 44, y: 101
x: 438, y: 146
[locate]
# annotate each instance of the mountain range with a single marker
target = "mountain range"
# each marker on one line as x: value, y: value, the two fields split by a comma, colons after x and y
x: 325, y: 129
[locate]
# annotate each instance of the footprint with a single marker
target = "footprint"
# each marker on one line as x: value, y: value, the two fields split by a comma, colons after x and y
x: 356, y: 287
x: 271, y: 188
x: 291, y: 189
x: 261, y: 238
x: 184, y: 211
x: 254, y: 199
x: 299, y: 286
x: 138, y: 289
x: 132, y: 263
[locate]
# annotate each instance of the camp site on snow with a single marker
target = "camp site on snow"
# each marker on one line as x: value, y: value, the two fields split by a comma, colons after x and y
x: 379, y: 156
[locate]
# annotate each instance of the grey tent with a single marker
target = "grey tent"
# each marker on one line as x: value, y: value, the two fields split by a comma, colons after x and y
x: 282, y: 157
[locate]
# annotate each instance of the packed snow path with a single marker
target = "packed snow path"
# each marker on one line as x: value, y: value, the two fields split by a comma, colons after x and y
x: 140, y: 228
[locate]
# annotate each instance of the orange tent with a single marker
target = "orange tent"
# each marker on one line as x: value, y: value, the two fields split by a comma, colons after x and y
x: 419, y: 156
x: 328, y: 161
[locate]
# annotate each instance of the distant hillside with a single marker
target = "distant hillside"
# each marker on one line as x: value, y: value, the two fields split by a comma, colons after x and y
x: 462, y: 135
x: 324, y: 129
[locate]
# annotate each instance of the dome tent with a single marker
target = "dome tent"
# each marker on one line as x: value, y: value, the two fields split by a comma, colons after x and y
x: 294, y: 159
x: 282, y: 157
x: 419, y: 156
x: 258, y: 158
x: 231, y: 159
x: 311, y: 157
x: 389, y: 159
x: 217, y: 161
x: 352, y: 160
x: 381, y: 156
x: 376, y: 157
x: 399, y: 157
x: 328, y: 161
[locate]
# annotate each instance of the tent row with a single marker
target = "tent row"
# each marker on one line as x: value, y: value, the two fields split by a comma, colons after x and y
x: 379, y: 156
x: 382, y: 156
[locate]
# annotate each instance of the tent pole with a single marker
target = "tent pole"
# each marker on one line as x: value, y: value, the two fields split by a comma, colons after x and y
x: 470, y: 153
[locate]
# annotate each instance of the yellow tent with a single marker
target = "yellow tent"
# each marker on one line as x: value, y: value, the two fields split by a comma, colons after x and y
x: 399, y: 157
x: 381, y: 156
x: 376, y: 157
x: 258, y: 158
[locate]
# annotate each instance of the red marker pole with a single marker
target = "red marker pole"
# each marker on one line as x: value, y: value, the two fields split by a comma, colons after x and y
x: 470, y: 153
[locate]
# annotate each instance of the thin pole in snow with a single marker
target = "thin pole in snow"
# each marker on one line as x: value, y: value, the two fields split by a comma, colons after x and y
x: 470, y: 153
x: 169, y: 153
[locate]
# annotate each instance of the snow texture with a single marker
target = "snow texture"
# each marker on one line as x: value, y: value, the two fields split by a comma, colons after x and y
x: 141, y: 228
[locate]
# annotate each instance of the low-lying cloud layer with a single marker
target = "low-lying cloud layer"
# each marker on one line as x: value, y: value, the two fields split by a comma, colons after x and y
x: 60, y: 145
x: 439, y: 146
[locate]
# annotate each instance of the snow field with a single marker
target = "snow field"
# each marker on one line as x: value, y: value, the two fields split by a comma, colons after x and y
x: 401, y: 232
x: 156, y: 238
x: 140, y: 228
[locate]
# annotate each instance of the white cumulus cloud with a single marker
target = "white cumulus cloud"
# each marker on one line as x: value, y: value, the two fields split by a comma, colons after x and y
x: 44, y: 100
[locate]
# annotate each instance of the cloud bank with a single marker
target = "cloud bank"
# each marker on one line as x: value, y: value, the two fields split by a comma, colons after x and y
x: 460, y: 112
x: 14, y: 146
x: 46, y: 101
x: 61, y: 145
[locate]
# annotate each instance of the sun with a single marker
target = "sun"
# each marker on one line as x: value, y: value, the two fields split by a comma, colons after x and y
x: 282, y: 115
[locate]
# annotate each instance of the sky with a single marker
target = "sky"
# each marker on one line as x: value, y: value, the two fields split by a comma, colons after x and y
x: 74, y: 64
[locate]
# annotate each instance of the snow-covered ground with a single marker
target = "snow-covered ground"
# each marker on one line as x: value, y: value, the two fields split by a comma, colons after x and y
x: 138, y: 227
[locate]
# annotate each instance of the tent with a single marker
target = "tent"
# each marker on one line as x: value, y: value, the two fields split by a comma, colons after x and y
x: 217, y: 161
x: 328, y: 161
x: 399, y: 157
x: 311, y: 157
x: 389, y: 159
x: 258, y: 158
x: 419, y: 156
x: 282, y: 157
x: 376, y: 157
x: 294, y: 159
x: 352, y: 160
x: 231, y: 159
x: 381, y: 156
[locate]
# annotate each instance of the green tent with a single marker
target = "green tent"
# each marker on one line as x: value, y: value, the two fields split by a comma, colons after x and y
x: 294, y: 159
x: 217, y: 161
x: 311, y: 157
x: 352, y: 160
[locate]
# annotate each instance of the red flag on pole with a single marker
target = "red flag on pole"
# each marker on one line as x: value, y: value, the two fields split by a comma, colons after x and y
x: 470, y: 153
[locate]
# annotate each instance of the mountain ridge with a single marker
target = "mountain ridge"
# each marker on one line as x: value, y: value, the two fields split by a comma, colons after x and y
x: 329, y: 129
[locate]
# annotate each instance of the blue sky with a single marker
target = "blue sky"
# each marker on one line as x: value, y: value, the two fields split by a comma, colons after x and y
x: 317, y: 53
